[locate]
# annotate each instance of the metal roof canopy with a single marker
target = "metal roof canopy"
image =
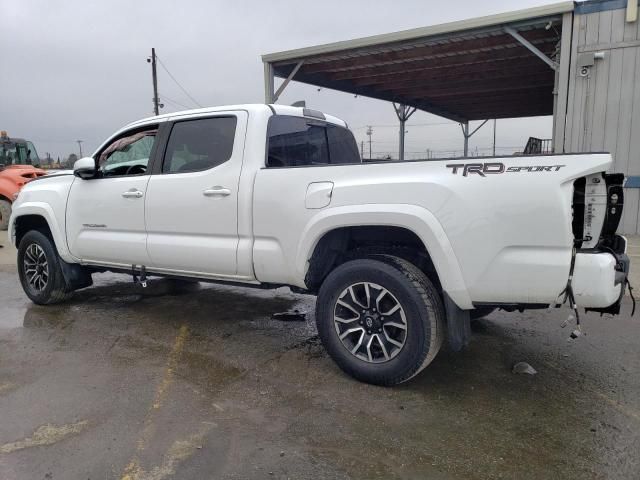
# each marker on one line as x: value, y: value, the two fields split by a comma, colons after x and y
x: 499, y: 66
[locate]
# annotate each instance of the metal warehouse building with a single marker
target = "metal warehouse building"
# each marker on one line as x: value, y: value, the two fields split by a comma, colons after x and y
x: 579, y: 62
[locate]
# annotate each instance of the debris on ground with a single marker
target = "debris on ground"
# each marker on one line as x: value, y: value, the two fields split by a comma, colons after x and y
x: 291, y: 316
x: 523, y: 368
x: 575, y: 334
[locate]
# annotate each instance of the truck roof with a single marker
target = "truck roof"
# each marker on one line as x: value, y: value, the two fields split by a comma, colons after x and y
x: 12, y: 140
x: 259, y: 108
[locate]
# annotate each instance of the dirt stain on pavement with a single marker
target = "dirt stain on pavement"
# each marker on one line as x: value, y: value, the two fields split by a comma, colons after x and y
x: 45, y: 435
x: 179, y: 451
x: 5, y: 387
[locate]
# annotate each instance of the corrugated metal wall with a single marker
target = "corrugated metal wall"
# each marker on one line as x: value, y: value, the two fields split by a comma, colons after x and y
x: 603, y: 108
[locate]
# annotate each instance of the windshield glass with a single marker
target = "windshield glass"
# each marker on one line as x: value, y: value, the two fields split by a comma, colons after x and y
x: 18, y: 153
x: 34, y: 154
x: 8, y: 153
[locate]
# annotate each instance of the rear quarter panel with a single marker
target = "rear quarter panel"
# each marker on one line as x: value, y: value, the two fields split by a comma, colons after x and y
x: 496, y: 238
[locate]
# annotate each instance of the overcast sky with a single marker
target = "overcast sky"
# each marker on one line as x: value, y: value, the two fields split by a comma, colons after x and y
x: 77, y: 69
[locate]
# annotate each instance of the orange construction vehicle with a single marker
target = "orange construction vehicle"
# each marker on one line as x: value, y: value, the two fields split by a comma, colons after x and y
x: 19, y: 164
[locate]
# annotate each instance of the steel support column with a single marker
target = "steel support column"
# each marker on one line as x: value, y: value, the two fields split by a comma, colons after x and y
x: 286, y: 81
x: 531, y: 47
x: 465, y: 133
x: 561, y: 88
x: 268, y: 83
x: 403, y: 112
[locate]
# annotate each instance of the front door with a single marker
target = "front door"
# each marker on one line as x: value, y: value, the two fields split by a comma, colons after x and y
x: 192, y: 203
x: 105, y: 214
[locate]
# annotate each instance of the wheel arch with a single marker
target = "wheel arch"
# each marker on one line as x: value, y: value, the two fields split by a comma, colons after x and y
x: 329, y: 232
x: 38, y: 216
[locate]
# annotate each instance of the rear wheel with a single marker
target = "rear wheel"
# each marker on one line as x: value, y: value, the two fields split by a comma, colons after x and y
x: 5, y: 213
x: 380, y: 319
x: 39, y: 270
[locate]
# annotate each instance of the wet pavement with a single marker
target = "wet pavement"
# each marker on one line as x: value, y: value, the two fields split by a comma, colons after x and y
x: 200, y: 383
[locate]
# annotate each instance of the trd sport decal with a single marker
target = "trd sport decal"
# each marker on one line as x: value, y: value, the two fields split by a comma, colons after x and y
x: 484, y: 169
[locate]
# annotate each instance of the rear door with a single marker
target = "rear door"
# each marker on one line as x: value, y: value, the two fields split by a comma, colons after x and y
x: 192, y: 200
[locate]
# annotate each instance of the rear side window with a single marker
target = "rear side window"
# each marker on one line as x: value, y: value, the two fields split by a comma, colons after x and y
x: 296, y: 141
x: 342, y: 145
x: 196, y: 145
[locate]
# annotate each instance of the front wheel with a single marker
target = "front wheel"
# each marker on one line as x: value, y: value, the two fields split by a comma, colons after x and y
x: 39, y: 270
x: 380, y: 319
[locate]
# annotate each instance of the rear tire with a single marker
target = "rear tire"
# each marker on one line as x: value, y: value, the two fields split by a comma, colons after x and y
x: 5, y: 213
x: 394, y: 315
x: 39, y: 270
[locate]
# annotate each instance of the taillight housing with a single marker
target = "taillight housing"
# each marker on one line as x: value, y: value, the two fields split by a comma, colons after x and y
x: 598, y: 201
x: 615, y: 202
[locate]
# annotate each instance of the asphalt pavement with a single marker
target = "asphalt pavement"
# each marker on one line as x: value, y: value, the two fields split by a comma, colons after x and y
x: 200, y: 383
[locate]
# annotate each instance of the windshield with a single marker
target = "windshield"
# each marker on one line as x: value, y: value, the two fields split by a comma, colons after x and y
x: 34, y: 154
x: 18, y: 153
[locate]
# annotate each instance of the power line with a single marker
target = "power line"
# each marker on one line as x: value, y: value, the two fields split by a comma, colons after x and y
x: 176, y: 81
x: 165, y: 97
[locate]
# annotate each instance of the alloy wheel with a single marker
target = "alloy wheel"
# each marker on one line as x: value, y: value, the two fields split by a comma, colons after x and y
x: 370, y: 322
x: 36, y: 267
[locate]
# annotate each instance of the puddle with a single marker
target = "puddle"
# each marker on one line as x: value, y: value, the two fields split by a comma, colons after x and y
x: 13, y: 302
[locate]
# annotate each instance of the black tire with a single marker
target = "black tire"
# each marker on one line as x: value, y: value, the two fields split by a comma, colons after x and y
x: 419, y: 301
x: 5, y: 213
x: 55, y: 289
x: 480, y: 312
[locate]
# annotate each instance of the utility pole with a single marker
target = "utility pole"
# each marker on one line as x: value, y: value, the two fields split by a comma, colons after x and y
x: 494, y: 137
x: 369, y: 133
x: 80, y: 147
x: 156, y: 100
x: 362, y: 150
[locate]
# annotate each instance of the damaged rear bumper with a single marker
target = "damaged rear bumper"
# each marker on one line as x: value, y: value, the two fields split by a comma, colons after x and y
x: 600, y: 277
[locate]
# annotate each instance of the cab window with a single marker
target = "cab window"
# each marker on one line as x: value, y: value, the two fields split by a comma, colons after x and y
x: 128, y: 154
x: 298, y: 141
x: 201, y: 144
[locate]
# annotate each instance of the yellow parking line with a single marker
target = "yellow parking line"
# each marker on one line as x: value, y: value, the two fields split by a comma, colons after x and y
x: 172, y: 363
x: 133, y: 470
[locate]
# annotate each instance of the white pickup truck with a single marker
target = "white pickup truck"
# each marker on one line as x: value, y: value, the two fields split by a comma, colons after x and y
x: 399, y: 254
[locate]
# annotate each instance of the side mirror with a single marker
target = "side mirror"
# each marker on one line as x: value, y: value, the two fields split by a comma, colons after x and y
x: 85, y: 168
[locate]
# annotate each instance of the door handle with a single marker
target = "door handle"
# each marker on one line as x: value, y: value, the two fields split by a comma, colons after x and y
x: 216, y: 191
x: 132, y: 194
